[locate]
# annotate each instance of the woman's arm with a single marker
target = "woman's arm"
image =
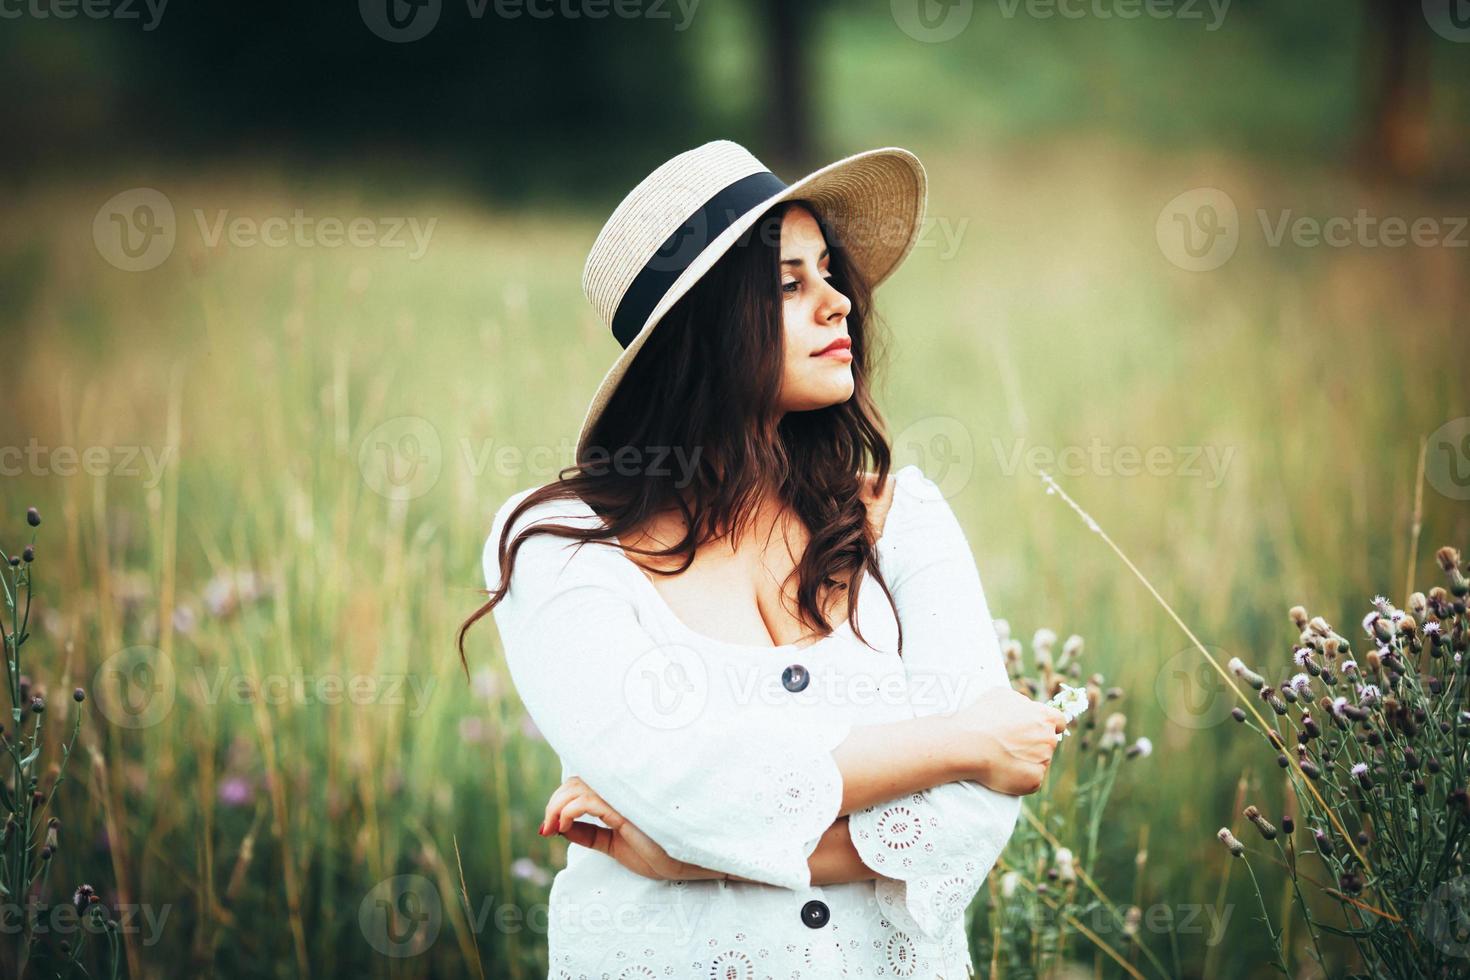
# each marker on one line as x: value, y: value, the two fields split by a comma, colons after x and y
x: 879, y: 762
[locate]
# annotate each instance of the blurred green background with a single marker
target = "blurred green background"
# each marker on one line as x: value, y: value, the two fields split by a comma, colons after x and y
x: 276, y: 455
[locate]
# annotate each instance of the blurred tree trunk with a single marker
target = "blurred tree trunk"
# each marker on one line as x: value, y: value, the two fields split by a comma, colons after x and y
x: 787, y: 29
x: 1395, y: 142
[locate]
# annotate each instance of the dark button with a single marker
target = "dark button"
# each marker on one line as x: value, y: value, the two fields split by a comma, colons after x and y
x: 795, y: 678
x: 814, y: 914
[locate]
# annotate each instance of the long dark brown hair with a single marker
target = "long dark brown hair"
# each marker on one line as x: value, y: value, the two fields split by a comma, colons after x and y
x: 704, y: 389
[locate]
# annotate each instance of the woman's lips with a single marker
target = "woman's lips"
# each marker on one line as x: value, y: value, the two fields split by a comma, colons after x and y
x: 841, y: 348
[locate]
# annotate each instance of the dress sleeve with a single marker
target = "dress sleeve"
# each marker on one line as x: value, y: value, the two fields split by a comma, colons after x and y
x: 633, y: 716
x: 935, y: 847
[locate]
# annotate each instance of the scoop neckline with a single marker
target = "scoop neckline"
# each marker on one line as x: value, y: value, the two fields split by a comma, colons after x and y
x: 673, y: 617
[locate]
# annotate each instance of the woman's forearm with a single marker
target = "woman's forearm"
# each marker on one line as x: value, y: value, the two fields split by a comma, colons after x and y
x: 880, y: 762
x: 835, y: 860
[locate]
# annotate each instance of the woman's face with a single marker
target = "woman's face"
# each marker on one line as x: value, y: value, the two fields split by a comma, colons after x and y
x: 814, y: 315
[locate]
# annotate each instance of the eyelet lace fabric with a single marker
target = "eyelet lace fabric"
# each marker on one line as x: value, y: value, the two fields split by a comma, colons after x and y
x: 698, y: 744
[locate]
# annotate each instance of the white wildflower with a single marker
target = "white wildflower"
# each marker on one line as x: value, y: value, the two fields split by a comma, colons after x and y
x: 1070, y: 701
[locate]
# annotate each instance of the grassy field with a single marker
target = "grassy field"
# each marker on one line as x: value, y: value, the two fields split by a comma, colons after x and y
x: 295, y: 452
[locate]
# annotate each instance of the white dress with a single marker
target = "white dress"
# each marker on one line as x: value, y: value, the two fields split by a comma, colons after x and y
x: 721, y: 752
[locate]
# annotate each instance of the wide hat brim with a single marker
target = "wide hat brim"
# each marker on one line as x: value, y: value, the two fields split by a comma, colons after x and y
x: 873, y: 203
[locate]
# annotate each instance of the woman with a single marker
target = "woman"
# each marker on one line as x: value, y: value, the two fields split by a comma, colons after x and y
x: 751, y: 792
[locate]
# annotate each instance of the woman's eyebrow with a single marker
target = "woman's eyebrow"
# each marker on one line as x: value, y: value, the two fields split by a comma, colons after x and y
x: 799, y: 261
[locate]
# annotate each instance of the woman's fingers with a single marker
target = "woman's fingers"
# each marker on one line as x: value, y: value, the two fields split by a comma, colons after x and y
x: 560, y: 797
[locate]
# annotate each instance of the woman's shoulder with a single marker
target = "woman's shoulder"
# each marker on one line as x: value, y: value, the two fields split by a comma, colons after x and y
x: 557, y: 553
x: 894, y: 502
x: 569, y: 509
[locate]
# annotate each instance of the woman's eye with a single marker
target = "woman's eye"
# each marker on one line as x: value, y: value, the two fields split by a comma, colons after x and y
x: 794, y: 285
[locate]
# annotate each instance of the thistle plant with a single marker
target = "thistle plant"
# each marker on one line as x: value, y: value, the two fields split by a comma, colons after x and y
x: 1045, y: 908
x: 1383, y: 737
x: 31, y: 836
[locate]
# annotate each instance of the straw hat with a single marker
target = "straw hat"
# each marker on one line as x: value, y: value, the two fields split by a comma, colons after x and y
x: 681, y: 218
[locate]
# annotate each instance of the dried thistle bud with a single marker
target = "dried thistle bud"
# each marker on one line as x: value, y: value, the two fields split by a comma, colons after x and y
x: 1228, y: 839
x: 1113, y: 736
x: 1262, y: 824
x: 1238, y: 667
x: 1298, y: 616
x: 1418, y: 605
x: 1448, y: 558
x: 1065, y: 868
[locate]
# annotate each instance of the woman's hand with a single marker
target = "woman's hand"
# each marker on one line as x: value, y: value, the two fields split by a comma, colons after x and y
x: 1006, y: 740
x: 621, y: 840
